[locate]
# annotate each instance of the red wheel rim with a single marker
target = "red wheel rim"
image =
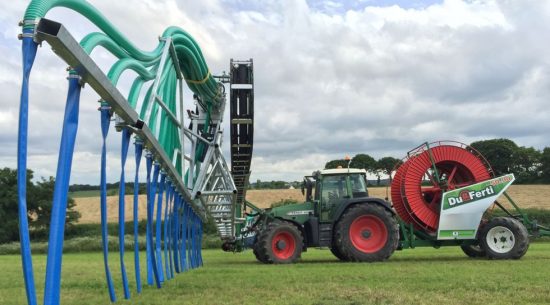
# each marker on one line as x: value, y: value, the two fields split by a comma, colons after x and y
x: 368, y: 233
x: 283, y: 245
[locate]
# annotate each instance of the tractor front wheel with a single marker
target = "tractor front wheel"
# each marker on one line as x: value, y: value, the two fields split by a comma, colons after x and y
x: 366, y: 233
x: 257, y: 254
x: 280, y: 243
x: 504, y: 238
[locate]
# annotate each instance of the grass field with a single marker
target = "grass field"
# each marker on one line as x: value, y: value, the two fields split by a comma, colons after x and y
x: 420, y: 276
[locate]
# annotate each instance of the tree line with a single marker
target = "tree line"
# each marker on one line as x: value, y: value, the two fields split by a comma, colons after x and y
x: 129, y: 188
x: 382, y: 166
x: 39, y: 205
x: 529, y: 165
x: 273, y: 185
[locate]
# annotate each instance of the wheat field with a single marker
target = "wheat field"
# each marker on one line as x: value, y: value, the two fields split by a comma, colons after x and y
x: 526, y: 196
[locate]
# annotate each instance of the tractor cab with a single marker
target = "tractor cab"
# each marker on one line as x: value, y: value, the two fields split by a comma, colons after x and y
x: 330, y: 188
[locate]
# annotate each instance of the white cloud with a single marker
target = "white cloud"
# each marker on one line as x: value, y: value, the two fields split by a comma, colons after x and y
x: 329, y: 80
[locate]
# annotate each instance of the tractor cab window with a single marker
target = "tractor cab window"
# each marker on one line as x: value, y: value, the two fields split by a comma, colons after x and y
x: 334, y: 188
x: 358, y: 185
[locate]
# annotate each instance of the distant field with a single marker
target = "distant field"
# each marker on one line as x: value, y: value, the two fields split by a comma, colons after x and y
x: 419, y: 276
x: 527, y: 196
x: 89, y: 208
x: 83, y: 194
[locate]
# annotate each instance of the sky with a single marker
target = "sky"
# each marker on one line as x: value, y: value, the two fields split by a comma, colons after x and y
x: 332, y: 78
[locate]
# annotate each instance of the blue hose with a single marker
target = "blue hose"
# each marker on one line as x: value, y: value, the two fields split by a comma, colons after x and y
x: 150, y: 210
x: 138, y: 151
x: 191, y: 240
x: 61, y: 188
x: 190, y: 237
x: 185, y: 233
x: 148, y: 165
x: 29, y: 53
x: 158, y: 230
x: 200, y: 242
x: 166, y: 239
x: 170, y: 229
x: 175, y: 232
x: 126, y: 135
x: 105, y: 122
x: 194, y: 240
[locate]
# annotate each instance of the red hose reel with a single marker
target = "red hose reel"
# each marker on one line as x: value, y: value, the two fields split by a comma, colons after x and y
x: 426, y: 173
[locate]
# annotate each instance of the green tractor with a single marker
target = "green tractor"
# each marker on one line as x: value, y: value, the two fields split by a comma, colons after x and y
x: 338, y: 214
x: 442, y: 194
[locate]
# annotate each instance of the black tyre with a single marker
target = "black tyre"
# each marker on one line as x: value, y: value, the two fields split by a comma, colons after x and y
x: 280, y: 243
x: 256, y: 254
x: 366, y: 233
x: 504, y: 238
x: 337, y: 253
x: 473, y: 251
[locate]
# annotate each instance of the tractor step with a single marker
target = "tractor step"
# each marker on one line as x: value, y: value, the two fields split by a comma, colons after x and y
x: 325, y: 235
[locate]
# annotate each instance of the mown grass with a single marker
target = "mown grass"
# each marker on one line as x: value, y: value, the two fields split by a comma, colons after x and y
x: 419, y: 276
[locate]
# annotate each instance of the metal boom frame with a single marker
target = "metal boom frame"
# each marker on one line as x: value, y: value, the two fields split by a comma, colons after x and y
x: 210, y: 186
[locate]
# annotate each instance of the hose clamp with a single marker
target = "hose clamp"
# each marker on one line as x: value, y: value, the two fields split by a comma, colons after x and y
x: 148, y: 153
x: 29, y: 22
x: 104, y: 105
x: 138, y: 140
x: 23, y: 35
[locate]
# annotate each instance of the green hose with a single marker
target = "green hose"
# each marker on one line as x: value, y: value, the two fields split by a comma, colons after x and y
x: 146, y: 64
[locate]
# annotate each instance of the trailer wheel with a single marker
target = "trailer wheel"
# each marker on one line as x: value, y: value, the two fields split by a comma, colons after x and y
x: 280, y: 243
x: 366, y: 233
x: 504, y: 238
x: 473, y: 251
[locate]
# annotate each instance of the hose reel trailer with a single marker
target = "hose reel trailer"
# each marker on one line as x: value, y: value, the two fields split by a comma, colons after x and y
x: 443, y: 193
x: 443, y: 166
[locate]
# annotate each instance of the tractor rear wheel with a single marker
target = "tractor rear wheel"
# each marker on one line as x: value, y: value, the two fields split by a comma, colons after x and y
x: 504, y: 238
x: 280, y: 243
x: 366, y: 233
